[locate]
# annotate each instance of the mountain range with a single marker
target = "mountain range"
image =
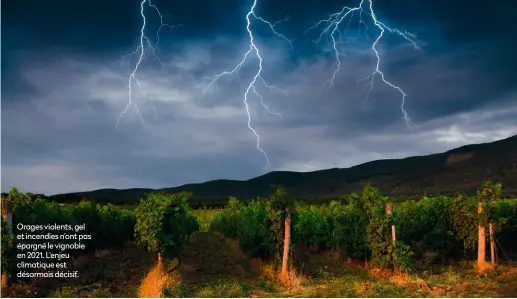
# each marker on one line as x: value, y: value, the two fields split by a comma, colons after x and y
x: 461, y: 170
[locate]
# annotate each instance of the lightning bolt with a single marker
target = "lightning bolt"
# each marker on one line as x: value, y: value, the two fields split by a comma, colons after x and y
x: 145, y: 47
x: 257, y: 78
x: 331, y: 27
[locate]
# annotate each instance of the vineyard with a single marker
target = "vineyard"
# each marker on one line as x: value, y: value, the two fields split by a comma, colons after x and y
x: 411, y: 236
x: 361, y: 229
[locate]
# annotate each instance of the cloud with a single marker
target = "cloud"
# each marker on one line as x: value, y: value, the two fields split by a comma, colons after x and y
x: 60, y: 134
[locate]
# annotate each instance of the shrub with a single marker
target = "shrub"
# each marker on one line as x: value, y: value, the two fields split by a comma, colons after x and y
x: 164, y: 223
x: 107, y: 225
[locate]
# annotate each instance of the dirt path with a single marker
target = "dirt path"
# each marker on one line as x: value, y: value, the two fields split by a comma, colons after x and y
x: 209, y: 257
x: 214, y: 266
x: 109, y: 273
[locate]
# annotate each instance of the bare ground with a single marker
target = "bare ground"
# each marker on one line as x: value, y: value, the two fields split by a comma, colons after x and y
x: 214, y: 266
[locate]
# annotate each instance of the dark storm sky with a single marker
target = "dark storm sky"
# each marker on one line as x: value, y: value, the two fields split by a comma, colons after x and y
x: 64, y: 85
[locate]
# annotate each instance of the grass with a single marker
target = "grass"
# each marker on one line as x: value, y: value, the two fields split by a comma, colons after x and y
x: 213, y: 266
x: 361, y: 283
x: 217, y: 289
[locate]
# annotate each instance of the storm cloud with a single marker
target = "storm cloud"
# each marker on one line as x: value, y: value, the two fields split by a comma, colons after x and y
x: 64, y: 87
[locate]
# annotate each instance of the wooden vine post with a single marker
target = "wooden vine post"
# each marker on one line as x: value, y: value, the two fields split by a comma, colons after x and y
x: 493, y: 251
x: 389, y: 211
x: 481, y: 263
x: 287, y: 241
x: 7, y: 216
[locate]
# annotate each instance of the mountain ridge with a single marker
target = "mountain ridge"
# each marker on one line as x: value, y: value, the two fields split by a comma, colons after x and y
x: 459, y: 170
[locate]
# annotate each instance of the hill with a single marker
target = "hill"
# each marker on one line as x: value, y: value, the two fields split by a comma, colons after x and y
x: 461, y: 170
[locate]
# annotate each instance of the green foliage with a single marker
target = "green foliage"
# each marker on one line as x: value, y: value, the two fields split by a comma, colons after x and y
x: 164, y: 223
x: 378, y: 229
x: 403, y: 256
x: 19, y: 197
x: 258, y: 225
x: 332, y: 226
x: 466, y: 218
x: 107, y: 225
x: 117, y: 225
x: 8, y: 251
x: 489, y: 192
x: 349, y: 224
x: 507, y: 232
x: 489, y: 196
x: 277, y: 206
x: 427, y: 225
x: 463, y: 213
x: 250, y: 224
x: 361, y: 228
x: 229, y: 221
x: 358, y: 226
x: 256, y: 235
x: 313, y: 226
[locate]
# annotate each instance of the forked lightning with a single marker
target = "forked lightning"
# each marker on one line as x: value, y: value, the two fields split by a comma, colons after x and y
x: 257, y: 78
x: 331, y: 27
x: 143, y: 48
